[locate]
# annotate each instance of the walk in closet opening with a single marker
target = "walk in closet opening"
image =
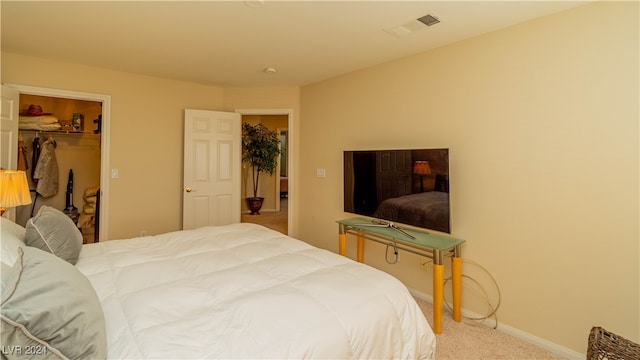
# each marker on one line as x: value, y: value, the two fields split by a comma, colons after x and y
x: 59, y: 147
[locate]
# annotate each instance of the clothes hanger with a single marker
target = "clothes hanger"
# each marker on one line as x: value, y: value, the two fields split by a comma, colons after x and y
x: 53, y: 141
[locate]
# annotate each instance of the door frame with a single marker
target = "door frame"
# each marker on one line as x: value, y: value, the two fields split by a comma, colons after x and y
x: 279, y: 170
x: 104, y: 139
x: 290, y: 154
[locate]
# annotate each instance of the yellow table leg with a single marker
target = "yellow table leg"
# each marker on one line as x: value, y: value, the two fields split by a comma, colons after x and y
x: 342, y: 244
x: 438, y: 285
x: 456, y: 279
x: 360, y: 247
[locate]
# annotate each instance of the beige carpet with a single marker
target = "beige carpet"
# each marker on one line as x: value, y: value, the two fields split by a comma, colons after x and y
x: 470, y: 340
x: 275, y: 220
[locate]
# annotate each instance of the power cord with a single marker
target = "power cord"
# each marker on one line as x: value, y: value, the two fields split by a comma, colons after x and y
x: 396, y: 253
x: 494, y: 310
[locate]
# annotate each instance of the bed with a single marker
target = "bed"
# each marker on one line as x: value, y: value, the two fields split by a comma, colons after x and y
x: 236, y: 291
x: 428, y: 210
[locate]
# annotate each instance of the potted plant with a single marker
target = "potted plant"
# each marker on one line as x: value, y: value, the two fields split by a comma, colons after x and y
x: 260, y: 149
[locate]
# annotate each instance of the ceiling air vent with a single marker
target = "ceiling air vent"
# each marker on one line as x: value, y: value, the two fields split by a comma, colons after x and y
x: 429, y: 20
x: 412, y: 26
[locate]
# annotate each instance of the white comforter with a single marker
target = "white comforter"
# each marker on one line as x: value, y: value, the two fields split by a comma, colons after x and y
x: 244, y: 291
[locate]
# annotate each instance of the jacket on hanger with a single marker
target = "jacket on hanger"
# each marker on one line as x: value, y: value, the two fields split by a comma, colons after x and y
x: 46, y: 170
x: 22, y: 155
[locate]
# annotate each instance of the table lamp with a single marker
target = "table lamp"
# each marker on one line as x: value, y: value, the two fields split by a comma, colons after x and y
x: 421, y: 168
x: 14, y: 189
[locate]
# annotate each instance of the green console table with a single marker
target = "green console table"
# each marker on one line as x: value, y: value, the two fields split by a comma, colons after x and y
x: 423, y: 243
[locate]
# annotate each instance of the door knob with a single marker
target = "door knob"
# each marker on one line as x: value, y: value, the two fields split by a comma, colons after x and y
x: 188, y: 189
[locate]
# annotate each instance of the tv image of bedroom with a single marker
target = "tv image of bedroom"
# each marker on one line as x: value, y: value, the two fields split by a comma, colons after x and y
x: 405, y: 186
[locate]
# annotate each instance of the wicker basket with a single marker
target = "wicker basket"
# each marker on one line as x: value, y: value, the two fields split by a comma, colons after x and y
x: 607, y: 345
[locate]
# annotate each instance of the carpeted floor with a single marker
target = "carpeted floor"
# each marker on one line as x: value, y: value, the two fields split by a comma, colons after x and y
x: 275, y: 220
x: 471, y: 340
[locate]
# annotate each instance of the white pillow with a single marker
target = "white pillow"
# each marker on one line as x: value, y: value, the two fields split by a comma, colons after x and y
x: 11, y: 238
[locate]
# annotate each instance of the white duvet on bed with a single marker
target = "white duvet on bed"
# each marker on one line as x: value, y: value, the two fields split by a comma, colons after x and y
x: 244, y: 291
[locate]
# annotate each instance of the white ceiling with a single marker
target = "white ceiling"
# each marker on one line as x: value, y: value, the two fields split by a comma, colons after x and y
x: 229, y: 43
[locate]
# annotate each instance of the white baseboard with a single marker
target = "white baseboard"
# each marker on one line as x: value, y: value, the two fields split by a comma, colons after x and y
x: 540, y: 342
x: 247, y: 212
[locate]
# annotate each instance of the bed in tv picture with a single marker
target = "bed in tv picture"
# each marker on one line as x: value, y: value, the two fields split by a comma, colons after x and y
x: 404, y: 186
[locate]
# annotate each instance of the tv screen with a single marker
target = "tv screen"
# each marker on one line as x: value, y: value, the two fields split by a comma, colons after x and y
x: 401, y: 186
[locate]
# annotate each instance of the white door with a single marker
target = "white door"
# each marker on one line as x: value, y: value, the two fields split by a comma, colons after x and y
x: 9, y: 109
x: 212, y: 146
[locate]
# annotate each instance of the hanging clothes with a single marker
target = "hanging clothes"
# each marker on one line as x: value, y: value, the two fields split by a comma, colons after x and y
x: 22, y: 154
x: 46, y: 170
x: 34, y: 157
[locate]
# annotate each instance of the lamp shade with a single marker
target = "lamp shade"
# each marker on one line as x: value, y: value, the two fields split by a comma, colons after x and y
x: 421, y: 168
x: 14, y: 188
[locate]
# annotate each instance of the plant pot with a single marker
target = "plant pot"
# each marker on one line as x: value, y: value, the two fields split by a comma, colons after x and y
x: 255, y: 204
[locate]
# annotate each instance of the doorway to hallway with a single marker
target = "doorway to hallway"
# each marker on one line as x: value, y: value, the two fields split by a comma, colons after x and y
x: 277, y: 214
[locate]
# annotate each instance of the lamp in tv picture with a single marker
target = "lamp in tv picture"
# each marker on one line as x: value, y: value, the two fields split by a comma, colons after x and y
x: 422, y: 169
x: 14, y: 189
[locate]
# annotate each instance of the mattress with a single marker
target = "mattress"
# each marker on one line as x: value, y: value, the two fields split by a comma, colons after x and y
x: 244, y: 291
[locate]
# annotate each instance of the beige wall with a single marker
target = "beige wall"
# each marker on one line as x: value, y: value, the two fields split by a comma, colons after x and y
x: 146, y: 136
x: 541, y: 120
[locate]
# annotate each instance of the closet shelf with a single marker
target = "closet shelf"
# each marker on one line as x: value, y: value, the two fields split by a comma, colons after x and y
x: 62, y: 132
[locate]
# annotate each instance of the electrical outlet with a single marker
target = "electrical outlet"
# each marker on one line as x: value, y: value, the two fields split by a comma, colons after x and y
x: 425, y: 263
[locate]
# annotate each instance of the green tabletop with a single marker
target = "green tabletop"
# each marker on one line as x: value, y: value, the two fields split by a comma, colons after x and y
x: 421, y: 237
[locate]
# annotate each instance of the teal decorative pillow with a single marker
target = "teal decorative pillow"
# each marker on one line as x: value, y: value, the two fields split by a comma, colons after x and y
x: 49, y: 308
x: 53, y: 231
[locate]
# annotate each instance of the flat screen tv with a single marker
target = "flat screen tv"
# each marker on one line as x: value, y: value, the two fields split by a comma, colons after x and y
x: 400, y: 186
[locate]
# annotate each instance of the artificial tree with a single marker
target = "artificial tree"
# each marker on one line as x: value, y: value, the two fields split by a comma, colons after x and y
x: 260, y: 149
